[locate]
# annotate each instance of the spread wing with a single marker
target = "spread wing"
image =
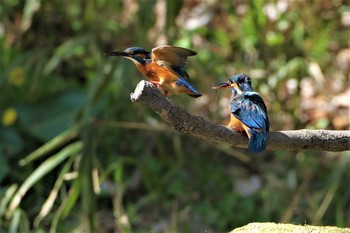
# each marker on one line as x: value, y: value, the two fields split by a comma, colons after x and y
x: 173, y: 58
x: 251, y: 110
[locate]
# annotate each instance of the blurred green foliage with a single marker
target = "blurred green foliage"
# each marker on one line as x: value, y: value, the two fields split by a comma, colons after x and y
x: 77, y: 155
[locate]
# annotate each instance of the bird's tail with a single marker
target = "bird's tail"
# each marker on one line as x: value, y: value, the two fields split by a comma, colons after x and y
x: 191, y: 91
x: 196, y: 95
x: 257, y: 141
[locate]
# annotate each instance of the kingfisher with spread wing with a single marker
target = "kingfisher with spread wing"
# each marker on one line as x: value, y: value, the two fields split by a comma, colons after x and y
x: 164, y: 67
x: 248, y: 112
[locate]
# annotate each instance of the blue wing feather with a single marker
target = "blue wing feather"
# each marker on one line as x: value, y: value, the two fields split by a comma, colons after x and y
x: 181, y: 71
x: 182, y: 82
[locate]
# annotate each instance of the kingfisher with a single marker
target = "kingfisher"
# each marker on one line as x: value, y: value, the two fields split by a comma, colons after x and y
x: 164, y: 67
x: 248, y: 112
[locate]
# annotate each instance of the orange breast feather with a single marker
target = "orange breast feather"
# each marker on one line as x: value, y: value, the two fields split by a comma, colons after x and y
x: 149, y: 71
x: 160, y: 73
x: 235, y: 124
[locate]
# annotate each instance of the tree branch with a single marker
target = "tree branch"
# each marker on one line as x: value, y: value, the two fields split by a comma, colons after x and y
x: 184, y: 122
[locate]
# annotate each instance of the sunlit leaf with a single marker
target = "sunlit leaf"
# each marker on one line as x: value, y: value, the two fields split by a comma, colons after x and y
x: 274, y: 38
x: 259, y: 16
x: 6, y: 198
x: 31, y: 6
x: 67, y: 204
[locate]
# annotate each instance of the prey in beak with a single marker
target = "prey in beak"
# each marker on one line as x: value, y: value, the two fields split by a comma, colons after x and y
x: 221, y: 85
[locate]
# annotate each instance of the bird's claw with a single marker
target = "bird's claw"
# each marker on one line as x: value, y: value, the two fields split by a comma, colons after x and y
x: 157, y: 84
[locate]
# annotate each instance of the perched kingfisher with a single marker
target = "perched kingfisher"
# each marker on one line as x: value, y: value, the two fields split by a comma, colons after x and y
x: 248, y: 111
x: 164, y: 67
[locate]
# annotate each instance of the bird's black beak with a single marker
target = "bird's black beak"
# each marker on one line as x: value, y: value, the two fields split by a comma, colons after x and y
x: 117, y: 53
x: 221, y: 85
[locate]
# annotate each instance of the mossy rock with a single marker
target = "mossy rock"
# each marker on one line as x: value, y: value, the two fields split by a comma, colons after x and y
x: 269, y: 227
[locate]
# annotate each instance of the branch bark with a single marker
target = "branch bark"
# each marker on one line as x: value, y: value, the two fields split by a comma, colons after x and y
x: 184, y: 122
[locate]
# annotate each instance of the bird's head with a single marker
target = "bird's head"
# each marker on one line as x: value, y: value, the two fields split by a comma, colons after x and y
x: 136, y: 54
x: 239, y: 83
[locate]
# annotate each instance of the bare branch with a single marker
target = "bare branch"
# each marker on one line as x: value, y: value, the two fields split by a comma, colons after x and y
x: 184, y: 122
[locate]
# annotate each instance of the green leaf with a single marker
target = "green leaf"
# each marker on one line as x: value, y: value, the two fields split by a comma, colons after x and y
x: 67, y: 204
x: 51, y: 117
x: 260, y: 17
x: 11, y: 141
x: 54, y: 143
x: 30, y: 8
x: 41, y: 171
x: 19, y: 222
x: 274, y: 38
x: 14, y: 224
x: 66, y: 50
x: 46, y: 207
x: 4, y: 167
x: 6, y: 199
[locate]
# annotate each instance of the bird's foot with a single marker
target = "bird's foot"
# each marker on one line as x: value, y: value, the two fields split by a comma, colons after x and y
x: 157, y: 84
x: 240, y: 131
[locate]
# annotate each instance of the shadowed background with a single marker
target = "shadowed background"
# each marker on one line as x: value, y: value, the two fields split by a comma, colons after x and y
x: 98, y: 161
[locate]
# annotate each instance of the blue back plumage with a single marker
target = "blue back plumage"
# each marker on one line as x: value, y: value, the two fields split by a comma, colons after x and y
x: 250, y: 109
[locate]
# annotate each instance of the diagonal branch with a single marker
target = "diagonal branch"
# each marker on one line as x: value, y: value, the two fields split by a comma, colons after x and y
x: 184, y: 122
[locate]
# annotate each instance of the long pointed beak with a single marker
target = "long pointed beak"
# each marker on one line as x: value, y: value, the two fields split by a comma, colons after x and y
x: 221, y: 85
x: 117, y: 53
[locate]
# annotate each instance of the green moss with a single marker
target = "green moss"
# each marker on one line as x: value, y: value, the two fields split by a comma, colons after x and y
x: 269, y: 227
